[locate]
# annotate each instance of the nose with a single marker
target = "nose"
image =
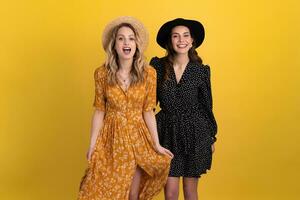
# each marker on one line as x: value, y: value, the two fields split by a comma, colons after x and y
x: 126, y: 41
x: 180, y: 38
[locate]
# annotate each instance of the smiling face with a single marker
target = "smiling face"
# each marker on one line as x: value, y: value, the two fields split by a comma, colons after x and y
x: 125, y: 44
x: 181, y: 39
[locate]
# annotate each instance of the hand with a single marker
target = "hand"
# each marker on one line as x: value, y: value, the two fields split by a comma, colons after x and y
x: 213, y: 148
x: 161, y: 150
x: 89, y: 154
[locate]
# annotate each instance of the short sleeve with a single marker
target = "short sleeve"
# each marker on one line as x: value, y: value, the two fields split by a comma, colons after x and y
x: 100, y: 84
x: 150, y: 99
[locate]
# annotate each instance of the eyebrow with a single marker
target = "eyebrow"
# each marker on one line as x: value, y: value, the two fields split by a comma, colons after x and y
x: 179, y: 33
x: 124, y: 35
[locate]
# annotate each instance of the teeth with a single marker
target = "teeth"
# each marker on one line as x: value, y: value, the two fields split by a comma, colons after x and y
x: 126, y: 50
x: 182, y: 45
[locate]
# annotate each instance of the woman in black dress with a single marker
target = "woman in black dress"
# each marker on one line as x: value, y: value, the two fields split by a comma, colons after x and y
x: 186, y: 123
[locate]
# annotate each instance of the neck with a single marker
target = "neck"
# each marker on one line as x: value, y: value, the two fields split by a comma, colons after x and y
x: 181, y: 59
x: 125, y: 65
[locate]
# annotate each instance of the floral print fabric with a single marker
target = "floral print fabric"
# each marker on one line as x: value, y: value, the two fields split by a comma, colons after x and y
x: 124, y: 142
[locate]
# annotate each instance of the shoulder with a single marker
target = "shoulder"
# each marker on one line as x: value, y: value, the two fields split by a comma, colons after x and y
x: 202, y: 69
x: 150, y: 72
x: 157, y: 63
x: 206, y: 69
x: 100, y: 72
x: 159, y: 66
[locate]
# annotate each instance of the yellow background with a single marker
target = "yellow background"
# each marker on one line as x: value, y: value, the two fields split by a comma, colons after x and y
x: 49, y: 50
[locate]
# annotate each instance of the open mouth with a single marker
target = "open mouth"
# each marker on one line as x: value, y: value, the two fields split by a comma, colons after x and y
x: 182, y: 46
x: 126, y: 50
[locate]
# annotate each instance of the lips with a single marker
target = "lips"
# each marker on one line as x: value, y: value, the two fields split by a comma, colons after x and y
x: 126, y: 50
x: 181, y: 46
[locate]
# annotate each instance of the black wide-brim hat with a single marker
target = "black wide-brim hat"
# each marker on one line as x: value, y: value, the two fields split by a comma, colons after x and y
x: 195, y: 27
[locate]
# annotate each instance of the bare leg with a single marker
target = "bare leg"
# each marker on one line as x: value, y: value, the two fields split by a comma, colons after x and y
x: 172, y: 188
x: 135, y: 185
x: 190, y: 186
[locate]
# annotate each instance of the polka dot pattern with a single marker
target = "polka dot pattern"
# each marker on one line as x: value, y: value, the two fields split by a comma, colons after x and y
x: 186, y: 123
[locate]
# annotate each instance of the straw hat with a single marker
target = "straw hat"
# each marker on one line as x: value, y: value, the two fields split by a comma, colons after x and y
x: 195, y: 27
x: 137, y: 25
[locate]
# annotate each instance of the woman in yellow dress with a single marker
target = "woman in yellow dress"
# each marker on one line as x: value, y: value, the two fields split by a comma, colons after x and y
x: 125, y: 159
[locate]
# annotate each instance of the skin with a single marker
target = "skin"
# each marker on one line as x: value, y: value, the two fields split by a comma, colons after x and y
x: 125, y: 39
x: 182, y: 41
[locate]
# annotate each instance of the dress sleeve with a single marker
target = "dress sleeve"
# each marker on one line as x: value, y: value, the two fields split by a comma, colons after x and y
x: 150, y: 99
x: 207, y: 88
x: 154, y: 62
x: 207, y: 95
x: 100, y: 82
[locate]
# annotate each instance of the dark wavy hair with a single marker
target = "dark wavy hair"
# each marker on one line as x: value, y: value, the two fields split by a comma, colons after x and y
x: 168, y: 61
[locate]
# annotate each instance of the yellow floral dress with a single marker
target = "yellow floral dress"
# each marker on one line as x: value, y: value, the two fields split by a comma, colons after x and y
x: 124, y: 142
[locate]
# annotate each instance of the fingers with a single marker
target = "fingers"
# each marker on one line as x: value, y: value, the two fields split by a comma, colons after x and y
x: 89, y: 154
x: 164, y: 151
x: 167, y: 153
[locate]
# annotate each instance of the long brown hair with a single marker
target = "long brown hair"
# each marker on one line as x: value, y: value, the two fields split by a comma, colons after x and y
x: 171, y: 54
x: 111, y: 63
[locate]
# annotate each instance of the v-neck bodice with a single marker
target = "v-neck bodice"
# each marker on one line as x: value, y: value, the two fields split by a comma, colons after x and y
x: 122, y: 89
x: 177, y: 81
x: 184, y: 93
x: 192, y: 91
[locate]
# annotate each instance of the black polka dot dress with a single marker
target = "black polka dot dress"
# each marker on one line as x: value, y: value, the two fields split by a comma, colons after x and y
x: 186, y: 124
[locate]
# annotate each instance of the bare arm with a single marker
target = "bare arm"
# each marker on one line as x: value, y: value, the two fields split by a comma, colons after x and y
x: 97, y: 124
x: 150, y: 121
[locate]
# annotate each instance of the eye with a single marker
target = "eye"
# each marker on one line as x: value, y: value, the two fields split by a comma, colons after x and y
x: 120, y: 38
x: 132, y: 39
x: 174, y: 36
x: 187, y: 35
